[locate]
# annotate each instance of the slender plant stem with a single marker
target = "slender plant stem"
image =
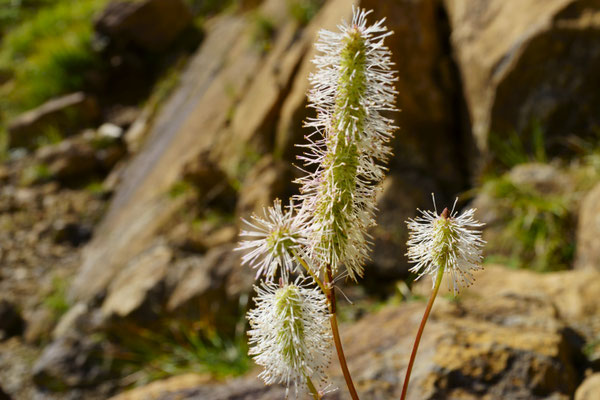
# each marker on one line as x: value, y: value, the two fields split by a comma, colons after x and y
x: 310, y: 271
x: 438, y: 281
x: 312, y: 388
x: 330, y: 293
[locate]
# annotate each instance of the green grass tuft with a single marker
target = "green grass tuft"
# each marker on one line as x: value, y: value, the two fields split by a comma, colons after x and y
x: 181, y: 348
x: 304, y: 10
x: 538, y: 229
x: 263, y: 31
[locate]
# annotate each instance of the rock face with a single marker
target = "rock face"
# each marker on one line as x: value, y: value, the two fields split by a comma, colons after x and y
x: 195, y: 121
x: 149, y: 24
x: 80, y: 157
x: 513, y: 335
x: 589, y: 389
x: 390, y: 234
x: 527, y: 63
x: 430, y: 109
x: 66, y: 114
x: 69, y: 362
x: 588, y: 231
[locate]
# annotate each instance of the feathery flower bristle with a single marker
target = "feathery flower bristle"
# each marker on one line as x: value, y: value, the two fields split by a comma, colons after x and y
x: 446, y: 241
x: 353, y: 84
x: 271, y: 240
x: 289, y: 333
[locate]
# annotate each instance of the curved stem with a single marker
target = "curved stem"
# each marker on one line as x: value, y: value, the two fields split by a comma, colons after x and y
x: 330, y: 293
x: 438, y: 281
x: 312, y: 388
x: 310, y: 271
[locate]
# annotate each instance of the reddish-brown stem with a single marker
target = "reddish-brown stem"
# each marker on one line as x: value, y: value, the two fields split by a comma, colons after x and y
x: 330, y: 293
x: 438, y: 281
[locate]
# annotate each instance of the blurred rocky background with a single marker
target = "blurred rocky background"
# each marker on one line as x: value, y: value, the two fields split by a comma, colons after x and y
x: 135, y: 134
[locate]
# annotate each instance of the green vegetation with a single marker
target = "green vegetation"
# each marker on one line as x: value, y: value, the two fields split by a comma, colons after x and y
x: 180, y: 349
x: 180, y: 188
x: 263, y: 30
x: 14, y: 11
x: 210, y: 7
x: 592, y: 349
x: 515, y: 149
x: 304, y: 10
x: 536, y: 227
x: 48, y: 54
x: 35, y: 173
x: 46, y: 51
x: 56, y: 301
x: 539, y: 230
x: 96, y: 188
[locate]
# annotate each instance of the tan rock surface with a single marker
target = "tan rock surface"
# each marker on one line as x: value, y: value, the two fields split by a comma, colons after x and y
x: 589, y: 389
x: 588, y: 231
x: 510, y: 336
x: 130, y: 287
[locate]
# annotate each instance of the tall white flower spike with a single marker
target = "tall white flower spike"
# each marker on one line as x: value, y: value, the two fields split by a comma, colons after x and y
x: 289, y: 334
x: 446, y: 241
x: 353, y: 84
x: 269, y: 242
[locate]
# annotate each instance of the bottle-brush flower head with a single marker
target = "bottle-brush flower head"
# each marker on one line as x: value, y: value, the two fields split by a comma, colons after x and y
x: 289, y: 333
x: 448, y: 241
x: 352, y: 85
x: 269, y: 242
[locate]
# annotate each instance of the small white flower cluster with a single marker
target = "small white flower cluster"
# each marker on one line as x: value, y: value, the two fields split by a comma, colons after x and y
x: 446, y: 241
x: 272, y: 239
x: 289, y: 333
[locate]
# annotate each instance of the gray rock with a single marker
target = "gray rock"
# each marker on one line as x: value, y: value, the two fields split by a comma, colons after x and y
x: 189, y: 124
x: 149, y: 24
x: 205, y: 288
x: 67, y: 114
x: 525, y: 63
x: 543, y: 178
x: 69, y: 362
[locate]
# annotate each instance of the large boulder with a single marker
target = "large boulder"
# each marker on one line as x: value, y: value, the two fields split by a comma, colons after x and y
x: 149, y: 24
x: 528, y: 63
x: 65, y: 114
